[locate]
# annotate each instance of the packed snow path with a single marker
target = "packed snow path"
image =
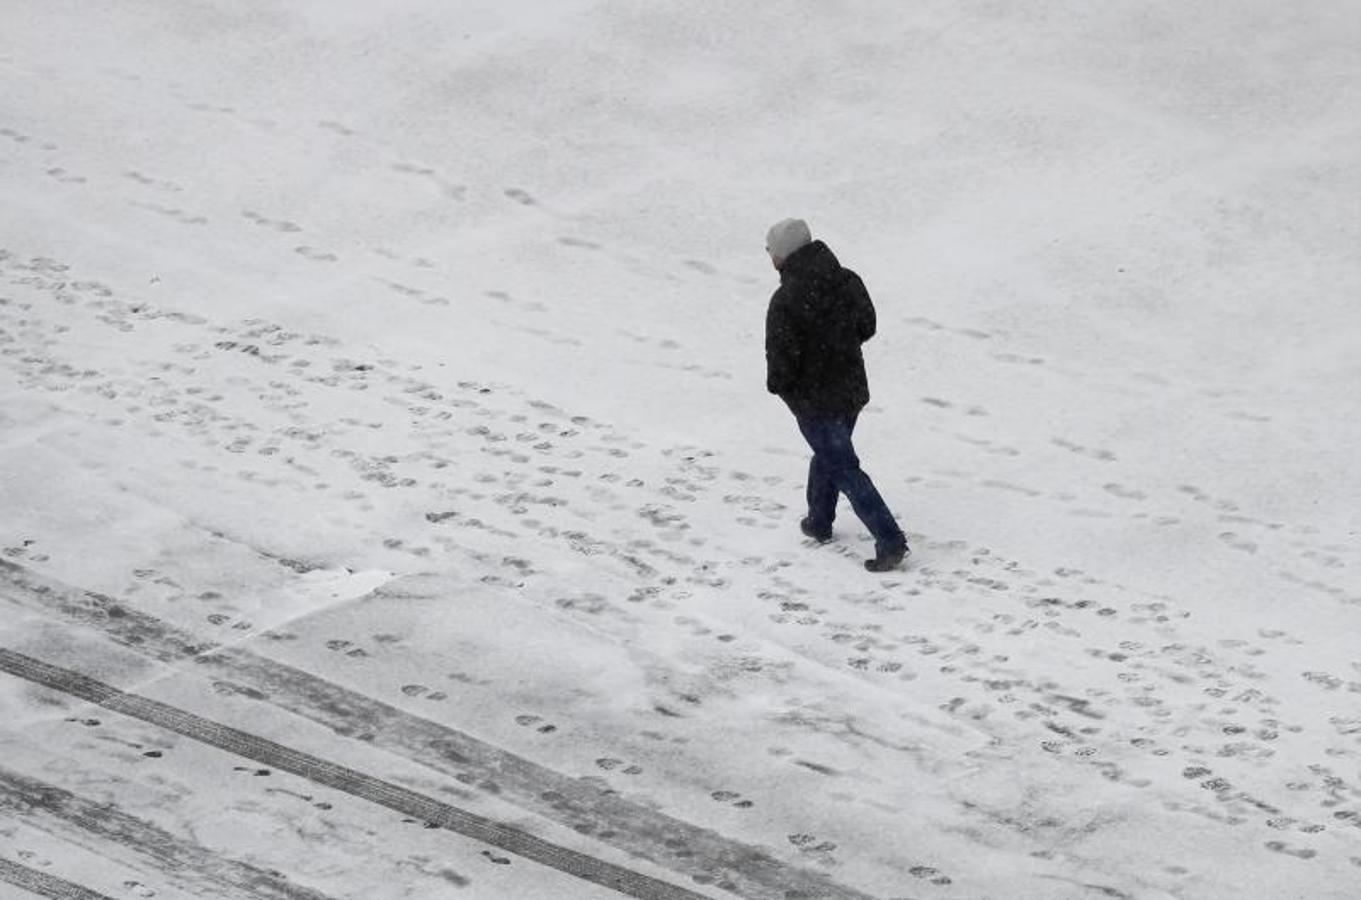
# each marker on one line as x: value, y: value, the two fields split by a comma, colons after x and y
x: 391, y: 508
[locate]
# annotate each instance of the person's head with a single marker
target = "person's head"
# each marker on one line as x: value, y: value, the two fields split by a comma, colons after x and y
x: 785, y: 237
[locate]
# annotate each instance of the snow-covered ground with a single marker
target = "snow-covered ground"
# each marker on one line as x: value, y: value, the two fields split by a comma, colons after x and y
x: 390, y: 505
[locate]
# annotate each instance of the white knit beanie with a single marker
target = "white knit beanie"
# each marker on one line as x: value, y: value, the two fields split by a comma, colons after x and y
x: 787, y: 236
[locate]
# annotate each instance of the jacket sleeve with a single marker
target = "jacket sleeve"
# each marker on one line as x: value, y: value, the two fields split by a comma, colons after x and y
x: 782, y: 348
x: 862, y: 308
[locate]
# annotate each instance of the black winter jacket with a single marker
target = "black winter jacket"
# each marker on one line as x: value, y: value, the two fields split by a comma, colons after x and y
x: 818, y: 318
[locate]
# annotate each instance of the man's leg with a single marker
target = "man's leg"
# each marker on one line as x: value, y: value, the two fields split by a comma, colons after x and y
x: 869, y: 505
x: 830, y: 440
x: 822, y: 490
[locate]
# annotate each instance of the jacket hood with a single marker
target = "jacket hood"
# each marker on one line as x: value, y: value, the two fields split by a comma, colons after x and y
x: 813, y: 261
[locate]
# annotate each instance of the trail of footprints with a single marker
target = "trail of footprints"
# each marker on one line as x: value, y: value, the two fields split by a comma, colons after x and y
x: 1235, y: 722
x: 383, y: 166
x: 171, y: 396
x: 1240, y: 531
x: 1177, y: 695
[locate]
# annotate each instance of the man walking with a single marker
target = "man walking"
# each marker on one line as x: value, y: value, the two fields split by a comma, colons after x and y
x: 818, y: 318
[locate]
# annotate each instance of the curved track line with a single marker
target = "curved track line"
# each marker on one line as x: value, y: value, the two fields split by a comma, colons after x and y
x: 332, y: 775
x: 58, y: 812
x: 703, y: 855
x: 41, y: 884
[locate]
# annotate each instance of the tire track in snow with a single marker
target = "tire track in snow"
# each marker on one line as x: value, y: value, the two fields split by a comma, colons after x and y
x: 338, y: 777
x: 130, y: 839
x: 41, y: 884
x: 704, y: 856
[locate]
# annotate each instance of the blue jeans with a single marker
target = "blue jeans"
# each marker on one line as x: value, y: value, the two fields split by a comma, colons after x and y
x: 835, y: 470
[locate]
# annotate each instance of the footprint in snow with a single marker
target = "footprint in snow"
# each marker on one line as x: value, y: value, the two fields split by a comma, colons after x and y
x: 1297, y: 852
x: 532, y: 721
x: 733, y: 798
x: 807, y: 843
x: 346, y: 647
x: 928, y: 873
x: 609, y: 765
x: 315, y: 255
x: 420, y: 690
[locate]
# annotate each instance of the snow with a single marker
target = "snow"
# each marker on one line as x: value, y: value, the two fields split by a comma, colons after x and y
x: 383, y: 379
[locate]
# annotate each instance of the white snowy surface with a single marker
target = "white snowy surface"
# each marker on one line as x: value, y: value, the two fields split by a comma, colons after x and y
x: 417, y: 347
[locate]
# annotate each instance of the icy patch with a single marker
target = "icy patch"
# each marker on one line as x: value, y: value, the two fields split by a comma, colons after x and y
x: 319, y: 590
x: 326, y: 586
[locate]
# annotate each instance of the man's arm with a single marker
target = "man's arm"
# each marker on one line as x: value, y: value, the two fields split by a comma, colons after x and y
x: 861, y: 307
x: 782, y: 348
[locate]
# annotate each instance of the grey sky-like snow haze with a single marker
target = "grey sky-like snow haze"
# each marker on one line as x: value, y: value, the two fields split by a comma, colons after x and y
x: 391, y: 506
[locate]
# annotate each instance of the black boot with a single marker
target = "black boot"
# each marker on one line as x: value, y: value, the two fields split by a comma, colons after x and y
x: 822, y: 537
x: 888, y: 560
